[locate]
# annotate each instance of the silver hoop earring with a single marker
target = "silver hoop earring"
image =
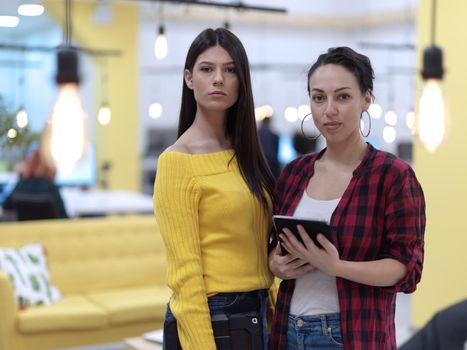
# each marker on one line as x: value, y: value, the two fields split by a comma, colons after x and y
x: 303, y: 132
x: 369, y: 123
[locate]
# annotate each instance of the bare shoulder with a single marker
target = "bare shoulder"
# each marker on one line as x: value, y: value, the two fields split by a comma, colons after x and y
x: 179, y: 147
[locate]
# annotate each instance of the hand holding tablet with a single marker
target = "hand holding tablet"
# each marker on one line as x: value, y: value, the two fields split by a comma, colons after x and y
x: 312, y: 227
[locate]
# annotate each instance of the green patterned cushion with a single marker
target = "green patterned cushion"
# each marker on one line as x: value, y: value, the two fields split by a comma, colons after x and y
x: 27, y: 268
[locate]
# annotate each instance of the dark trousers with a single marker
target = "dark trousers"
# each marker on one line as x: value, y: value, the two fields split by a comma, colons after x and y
x: 230, y: 304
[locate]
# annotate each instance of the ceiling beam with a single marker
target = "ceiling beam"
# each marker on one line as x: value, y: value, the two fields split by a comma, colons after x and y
x: 196, y: 13
x: 237, y: 5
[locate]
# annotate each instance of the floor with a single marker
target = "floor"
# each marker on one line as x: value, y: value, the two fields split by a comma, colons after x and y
x: 403, y: 327
x: 114, y: 346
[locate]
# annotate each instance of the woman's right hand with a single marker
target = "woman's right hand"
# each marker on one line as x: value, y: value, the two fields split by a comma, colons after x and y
x: 287, y: 266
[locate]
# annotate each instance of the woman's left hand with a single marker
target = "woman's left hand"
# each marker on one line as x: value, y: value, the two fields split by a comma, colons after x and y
x: 326, y: 259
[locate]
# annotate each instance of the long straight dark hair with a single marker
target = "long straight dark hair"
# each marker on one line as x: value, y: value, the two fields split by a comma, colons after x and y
x: 240, y: 126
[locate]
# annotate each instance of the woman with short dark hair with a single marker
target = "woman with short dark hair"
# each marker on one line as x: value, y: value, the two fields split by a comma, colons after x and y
x: 343, y: 296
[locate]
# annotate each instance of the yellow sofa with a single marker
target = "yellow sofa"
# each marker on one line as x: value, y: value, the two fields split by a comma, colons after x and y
x: 111, y: 273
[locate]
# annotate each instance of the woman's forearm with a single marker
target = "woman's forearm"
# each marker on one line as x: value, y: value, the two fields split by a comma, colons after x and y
x: 380, y: 273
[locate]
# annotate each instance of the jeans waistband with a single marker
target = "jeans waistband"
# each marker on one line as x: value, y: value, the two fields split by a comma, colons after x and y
x: 316, y: 318
x: 236, y: 302
x: 254, y: 293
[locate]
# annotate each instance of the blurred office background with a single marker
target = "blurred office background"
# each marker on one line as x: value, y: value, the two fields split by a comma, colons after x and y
x: 143, y: 92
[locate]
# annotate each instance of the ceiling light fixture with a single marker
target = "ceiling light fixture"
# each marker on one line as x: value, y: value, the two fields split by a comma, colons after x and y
x: 22, y: 119
x: 160, y: 45
x: 104, y: 115
x: 30, y: 8
x: 375, y: 110
x: 155, y: 110
x: 9, y: 21
x: 226, y: 24
x: 64, y: 140
x: 238, y: 5
x: 432, y: 117
x: 21, y: 114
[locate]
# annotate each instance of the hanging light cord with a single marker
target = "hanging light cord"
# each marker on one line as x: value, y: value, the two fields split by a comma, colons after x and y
x: 67, y: 25
x: 433, y: 22
x: 104, y: 82
x: 161, y: 14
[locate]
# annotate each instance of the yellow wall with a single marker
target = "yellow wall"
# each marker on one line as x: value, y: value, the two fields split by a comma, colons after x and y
x: 443, y: 174
x: 118, y: 141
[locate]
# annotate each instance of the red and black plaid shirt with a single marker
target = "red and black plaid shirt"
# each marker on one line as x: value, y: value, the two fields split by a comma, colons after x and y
x: 380, y: 215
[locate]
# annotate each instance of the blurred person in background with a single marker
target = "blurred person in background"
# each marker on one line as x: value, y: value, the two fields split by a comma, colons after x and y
x: 270, y: 144
x: 304, y: 144
x: 36, y: 178
x: 446, y: 330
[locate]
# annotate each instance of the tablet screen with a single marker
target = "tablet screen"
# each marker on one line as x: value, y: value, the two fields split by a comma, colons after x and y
x: 312, y: 227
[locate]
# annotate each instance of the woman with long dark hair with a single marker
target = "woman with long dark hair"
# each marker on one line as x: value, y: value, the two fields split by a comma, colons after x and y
x: 212, y: 199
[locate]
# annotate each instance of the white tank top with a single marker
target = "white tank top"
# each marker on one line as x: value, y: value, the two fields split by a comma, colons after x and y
x: 315, y: 292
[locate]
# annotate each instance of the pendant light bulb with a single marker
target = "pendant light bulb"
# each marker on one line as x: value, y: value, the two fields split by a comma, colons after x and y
x: 104, y: 116
x: 160, y: 45
x: 22, y: 119
x: 432, y: 118
x: 65, y: 136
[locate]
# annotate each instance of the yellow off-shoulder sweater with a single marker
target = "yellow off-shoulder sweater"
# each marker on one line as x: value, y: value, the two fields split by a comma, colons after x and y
x: 215, y: 232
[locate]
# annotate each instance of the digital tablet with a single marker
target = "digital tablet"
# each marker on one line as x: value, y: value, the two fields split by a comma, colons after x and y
x: 312, y: 227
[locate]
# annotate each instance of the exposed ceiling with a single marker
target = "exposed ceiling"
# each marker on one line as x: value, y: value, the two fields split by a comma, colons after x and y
x: 338, y: 14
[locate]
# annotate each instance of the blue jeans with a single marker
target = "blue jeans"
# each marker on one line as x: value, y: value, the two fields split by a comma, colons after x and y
x: 230, y: 303
x: 314, y: 332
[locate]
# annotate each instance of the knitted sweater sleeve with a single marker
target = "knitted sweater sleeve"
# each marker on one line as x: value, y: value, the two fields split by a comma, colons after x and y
x: 176, y: 198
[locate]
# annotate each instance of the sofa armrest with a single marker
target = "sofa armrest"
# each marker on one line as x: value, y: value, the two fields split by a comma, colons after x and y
x: 8, y: 312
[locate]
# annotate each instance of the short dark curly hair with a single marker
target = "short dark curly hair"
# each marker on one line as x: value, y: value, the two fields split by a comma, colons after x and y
x: 357, y: 64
